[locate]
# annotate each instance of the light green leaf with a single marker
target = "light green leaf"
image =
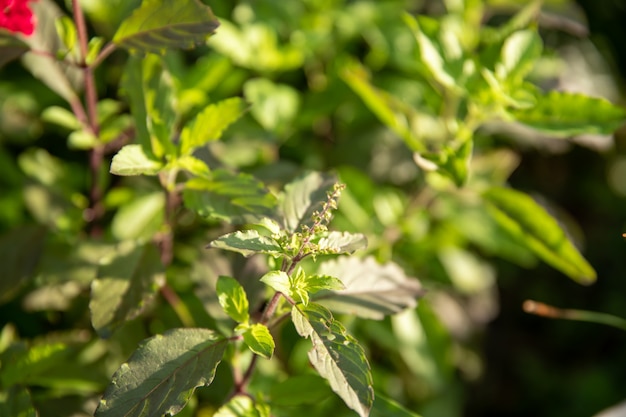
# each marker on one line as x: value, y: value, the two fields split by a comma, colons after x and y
x: 242, y: 406
x: 125, y: 286
x: 371, y: 290
x: 233, y: 299
x: 247, y: 242
x: 60, y: 116
x: 209, y: 124
x: 302, y: 197
x: 315, y: 283
x: 518, y: 56
x: 274, y: 106
x: 529, y: 223
x: 568, y: 114
x: 162, y: 374
x: 131, y: 160
x: 16, y: 401
x: 161, y: 24
x: 235, y: 198
x: 341, y: 242
x: 337, y: 356
x: 66, y: 30
x: 278, y: 280
x: 300, y: 389
x: 191, y: 164
x: 259, y: 340
x: 141, y: 218
x: 23, y: 367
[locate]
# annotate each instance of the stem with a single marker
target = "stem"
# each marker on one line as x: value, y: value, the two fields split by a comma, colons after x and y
x: 541, y: 309
x: 105, y: 52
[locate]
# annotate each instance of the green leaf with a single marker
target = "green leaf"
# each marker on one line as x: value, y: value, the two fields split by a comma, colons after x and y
x: 337, y: 356
x: 23, y: 367
x: 567, y: 114
x: 210, y: 123
x: 125, y: 286
x: 278, y: 280
x: 235, y: 198
x: 242, y: 406
x: 93, y: 49
x: 519, y: 54
x: 233, y: 299
x: 315, y: 283
x: 274, y: 106
x: 386, y: 407
x: 191, y: 164
x: 341, y: 242
x: 60, y: 116
x: 259, y: 340
x: 11, y: 47
x: 299, y: 389
x: 66, y: 30
x: 162, y: 374
x: 521, y: 20
x: 131, y: 160
x: 20, y: 251
x: 302, y: 197
x: 247, y: 243
x: 161, y: 24
x: 16, y: 402
x: 371, y: 290
x: 141, y: 218
x: 132, y: 88
x: 529, y: 223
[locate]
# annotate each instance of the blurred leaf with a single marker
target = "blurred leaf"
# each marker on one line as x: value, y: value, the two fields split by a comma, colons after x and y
x: 140, y: 219
x: 210, y: 123
x: 371, y: 290
x: 11, y: 47
x: 235, y: 198
x: 15, y: 401
x: 247, y: 242
x: 131, y: 160
x: 132, y: 88
x: 519, y: 54
x: 61, y: 117
x: 340, y: 242
x: 93, y: 49
x: 20, y: 251
x: 190, y: 164
x: 302, y: 197
x: 66, y: 30
x: 125, y: 286
x: 299, y: 389
x: 529, y: 223
x: 23, y: 367
x: 522, y: 19
x: 161, y: 24
x: 162, y: 374
x: 241, y: 406
x: 259, y: 339
x: 568, y: 114
x: 386, y: 407
x: 337, y: 356
x: 233, y: 299
x: 274, y: 106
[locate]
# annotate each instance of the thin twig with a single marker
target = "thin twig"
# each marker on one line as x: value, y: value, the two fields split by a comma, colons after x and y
x: 545, y: 310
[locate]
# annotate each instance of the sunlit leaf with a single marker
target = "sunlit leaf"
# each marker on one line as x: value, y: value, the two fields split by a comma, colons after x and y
x: 131, y: 160
x: 386, y: 407
x: 161, y: 24
x: 567, y: 114
x: 519, y: 54
x: 16, y: 401
x: 522, y: 19
x: 242, y: 406
x: 371, y: 290
x: 209, y: 124
x: 247, y: 242
x: 23, y: 367
x: 125, y: 286
x: 141, y: 218
x: 279, y: 281
x: 162, y: 374
x: 529, y: 223
x: 233, y: 299
x: 337, y: 356
x: 259, y: 339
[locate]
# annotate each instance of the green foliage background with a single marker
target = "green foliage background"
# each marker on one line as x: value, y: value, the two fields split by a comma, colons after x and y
x: 468, y: 348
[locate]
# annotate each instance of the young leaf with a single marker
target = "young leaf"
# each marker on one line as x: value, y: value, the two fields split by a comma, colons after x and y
x: 66, y: 30
x: 242, y: 406
x: 236, y: 198
x: 131, y: 160
x: 371, y: 290
x: 125, y: 286
x: 530, y: 224
x: 233, y: 299
x: 279, y: 281
x: 247, y: 243
x: 132, y: 89
x: 567, y: 114
x: 162, y: 374
x: 161, y: 24
x: 341, y: 242
x: 16, y: 401
x: 337, y: 356
x: 259, y: 340
x: 302, y: 197
x: 210, y: 123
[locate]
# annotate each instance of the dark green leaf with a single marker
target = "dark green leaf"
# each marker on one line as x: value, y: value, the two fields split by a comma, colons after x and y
x: 259, y: 340
x: 161, y: 24
x: 247, y: 242
x: 300, y: 389
x: 315, y: 283
x: 131, y: 160
x: 302, y: 197
x: 567, y: 114
x: 236, y: 198
x: 210, y: 123
x: 386, y: 407
x: 519, y: 54
x: 16, y: 402
x: 20, y: 250
x: 337, y: 356
x: 233, y: 299
x: 529, y: 223
x: 125, y: 286
x: 162, y: 374
x: 11, y: 48
x: 371, y: 290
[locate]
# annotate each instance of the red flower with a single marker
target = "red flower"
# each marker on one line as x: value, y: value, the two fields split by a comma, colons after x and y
x: 15, y: 16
